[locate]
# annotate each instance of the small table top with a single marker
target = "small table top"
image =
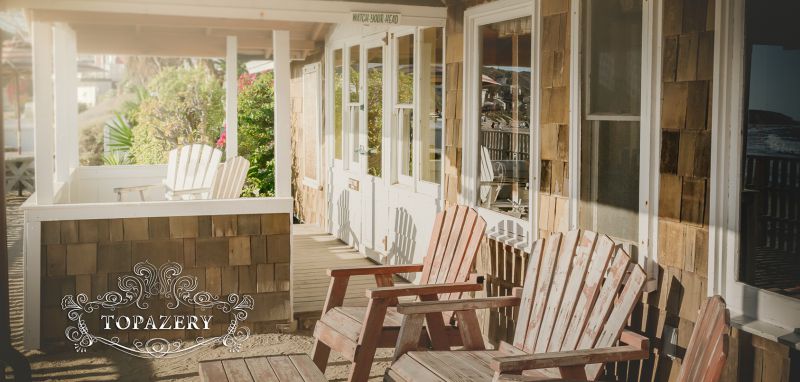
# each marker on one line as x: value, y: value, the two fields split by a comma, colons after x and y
x: 294, y: 367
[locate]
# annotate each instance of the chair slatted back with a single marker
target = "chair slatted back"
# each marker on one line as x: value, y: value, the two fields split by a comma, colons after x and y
x: 192, y: 167
x: 571, y: 297
x: 708, y: 347
x: 455, y: 242
x: 230, y: 179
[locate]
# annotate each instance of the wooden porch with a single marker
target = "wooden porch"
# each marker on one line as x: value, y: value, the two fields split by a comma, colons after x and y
x: 313, y: 252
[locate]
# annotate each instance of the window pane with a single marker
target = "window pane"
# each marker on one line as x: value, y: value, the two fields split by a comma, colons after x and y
x: 610, y: 178
x: 609, y: 155
x: 355, y: 67
x: 406, y: 116
x: 337, y: 103
x: 374, y: 110
x: 432, y: 62
x: 310, y: 125
x: 505, y: 116
x: 616, y: 57
x: 405, y: 69
x: 770, y: 196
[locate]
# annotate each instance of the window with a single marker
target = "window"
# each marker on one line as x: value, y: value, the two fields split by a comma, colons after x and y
x: 405, y: 107
x: 753, y: 217
x: 770, y: 175
x: 337, y: 103
x: 374, y: 110
x: 311, y: 125
x: 354, y: 106
x: 431, y: 63
x: 504, y: 116
x: 609, y: 132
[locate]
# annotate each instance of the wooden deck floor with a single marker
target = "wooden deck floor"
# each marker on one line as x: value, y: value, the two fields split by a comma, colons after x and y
x: 314, y: 251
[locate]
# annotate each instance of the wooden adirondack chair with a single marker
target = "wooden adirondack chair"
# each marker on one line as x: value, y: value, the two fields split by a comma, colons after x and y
x: 708, y: 347
x: 356, y: 332
x: 230, y: 179
x: 571, y: 316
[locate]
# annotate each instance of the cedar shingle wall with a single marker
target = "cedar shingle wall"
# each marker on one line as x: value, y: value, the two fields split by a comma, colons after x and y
x: 245, y: 254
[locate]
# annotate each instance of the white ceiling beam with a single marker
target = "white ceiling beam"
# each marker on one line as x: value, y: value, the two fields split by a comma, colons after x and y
x: 295, y: 10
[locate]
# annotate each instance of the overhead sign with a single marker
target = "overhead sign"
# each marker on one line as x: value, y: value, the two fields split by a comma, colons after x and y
x: 376, y: 18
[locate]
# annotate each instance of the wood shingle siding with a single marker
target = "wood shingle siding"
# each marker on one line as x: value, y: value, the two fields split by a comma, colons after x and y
x: 244, y: 254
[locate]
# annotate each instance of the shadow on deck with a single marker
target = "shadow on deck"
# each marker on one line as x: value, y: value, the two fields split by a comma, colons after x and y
x: 313, y: 252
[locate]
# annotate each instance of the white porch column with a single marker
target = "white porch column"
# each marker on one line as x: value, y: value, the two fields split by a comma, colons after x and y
x: 66, y: 100
x: 231, y: 99
x: 283, y: 130
x: 42, y: 46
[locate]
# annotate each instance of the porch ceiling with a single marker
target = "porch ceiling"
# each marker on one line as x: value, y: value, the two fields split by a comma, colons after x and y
x: 186, y: 36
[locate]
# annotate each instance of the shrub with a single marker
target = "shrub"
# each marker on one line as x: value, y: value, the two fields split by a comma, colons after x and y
x: 257, y: 132
x: 184, y: 106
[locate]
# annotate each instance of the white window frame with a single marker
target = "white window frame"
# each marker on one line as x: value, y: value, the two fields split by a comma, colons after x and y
x: 398, y: 179
x: 317, y: 149
x: 423, y: 186
x: 474, y: 17
x: 649, y: 130
x: 755, y: 310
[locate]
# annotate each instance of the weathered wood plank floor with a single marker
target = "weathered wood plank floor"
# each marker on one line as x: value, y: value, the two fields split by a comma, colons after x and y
x: 314, y: 251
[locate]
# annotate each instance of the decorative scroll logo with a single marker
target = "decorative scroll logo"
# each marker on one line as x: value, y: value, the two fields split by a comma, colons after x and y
x: 135, y: 290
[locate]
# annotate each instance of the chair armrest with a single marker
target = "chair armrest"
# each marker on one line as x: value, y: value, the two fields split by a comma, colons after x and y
x: 190, y: 191
x: 422, y: 290
x: 374, y: 270
x: 135, y: 188
x: 454, y: 305
x: 628, y: 352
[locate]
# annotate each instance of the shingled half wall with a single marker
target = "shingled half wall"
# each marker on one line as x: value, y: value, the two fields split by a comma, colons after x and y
x: 243, y: 254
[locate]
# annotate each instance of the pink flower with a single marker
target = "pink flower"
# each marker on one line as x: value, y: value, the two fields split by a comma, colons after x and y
x: 221, y: 140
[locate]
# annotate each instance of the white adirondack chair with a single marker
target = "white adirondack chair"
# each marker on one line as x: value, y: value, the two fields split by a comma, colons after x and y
x: 191, y: 169
x: 488, y: 189
x: 230, y: 179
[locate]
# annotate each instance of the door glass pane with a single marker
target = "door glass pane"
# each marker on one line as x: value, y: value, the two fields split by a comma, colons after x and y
x: 355, y: 122
x: 610, y: 178
x: 770, y: 186
x: 616, y: 57
x: 374, y: 110
x: 337, y: 103
x: 505, y: 100
x: 405, y: 69
x: 609, y: 175
x: 406, y: 116
x: 355, y: 67
x: 432, y: 63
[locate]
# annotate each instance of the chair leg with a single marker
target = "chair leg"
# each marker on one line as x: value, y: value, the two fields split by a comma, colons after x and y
x: 320, y: 353
x: 359, y: 371
x: 371, y: 331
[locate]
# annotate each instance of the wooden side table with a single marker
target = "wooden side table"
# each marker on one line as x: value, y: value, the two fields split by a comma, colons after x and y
x: 295, y: 367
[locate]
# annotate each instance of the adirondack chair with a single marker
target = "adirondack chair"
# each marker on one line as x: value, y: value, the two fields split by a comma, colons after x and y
x: 488, y: 189
x: 708, y: 347
x: 190, y: 171
x: 571, y: 316
x: 230, y: 179
x: 356, y: 332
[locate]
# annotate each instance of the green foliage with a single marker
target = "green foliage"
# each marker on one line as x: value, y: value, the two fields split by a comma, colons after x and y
x: 183, y: 106
x: 257, y: 133
x: 120, y: 137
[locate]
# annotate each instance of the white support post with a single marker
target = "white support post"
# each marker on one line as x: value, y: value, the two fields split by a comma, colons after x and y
x: 43, y: 147
x: 32, y: 249
x: 66, y: 100
x: 283, y: 132
x: 231, y: 99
